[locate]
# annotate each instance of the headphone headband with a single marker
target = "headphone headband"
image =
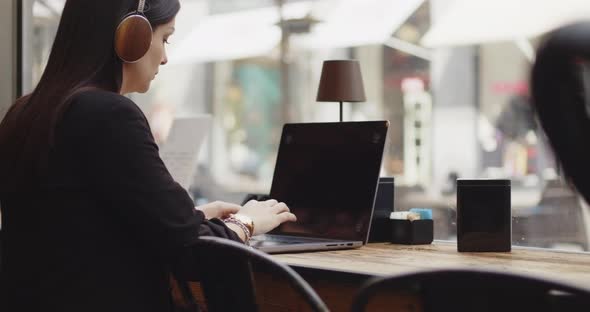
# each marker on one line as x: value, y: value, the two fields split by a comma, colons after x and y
x: 141, y: 6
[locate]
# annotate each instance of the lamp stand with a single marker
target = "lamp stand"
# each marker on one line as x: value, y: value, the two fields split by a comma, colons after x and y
x: 340, y: 111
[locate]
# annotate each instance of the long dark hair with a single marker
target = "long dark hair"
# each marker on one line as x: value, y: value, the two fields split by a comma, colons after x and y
x: 561, y: 100
x: 82, y: 57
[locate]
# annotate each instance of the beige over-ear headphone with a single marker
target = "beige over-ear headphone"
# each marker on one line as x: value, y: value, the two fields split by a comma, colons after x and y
x: 133, y: 36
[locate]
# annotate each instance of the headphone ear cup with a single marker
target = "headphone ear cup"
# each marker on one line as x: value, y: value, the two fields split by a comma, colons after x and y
x: 133, y: 38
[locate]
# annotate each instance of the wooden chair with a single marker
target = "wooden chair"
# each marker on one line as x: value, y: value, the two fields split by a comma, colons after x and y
x: 228, y: 277
x: 467, y: 290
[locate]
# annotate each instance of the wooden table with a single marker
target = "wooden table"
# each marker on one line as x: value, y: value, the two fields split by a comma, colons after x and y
x: 337, y: 275
x: 386, y: 259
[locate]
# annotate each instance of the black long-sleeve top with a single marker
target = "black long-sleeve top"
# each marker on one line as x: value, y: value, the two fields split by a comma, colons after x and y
x: 109, y: 224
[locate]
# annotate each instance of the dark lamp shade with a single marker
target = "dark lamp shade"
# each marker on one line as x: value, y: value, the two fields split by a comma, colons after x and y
x: 341, y: 81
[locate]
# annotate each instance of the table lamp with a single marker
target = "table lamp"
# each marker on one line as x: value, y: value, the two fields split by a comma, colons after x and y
x: 341, y: 81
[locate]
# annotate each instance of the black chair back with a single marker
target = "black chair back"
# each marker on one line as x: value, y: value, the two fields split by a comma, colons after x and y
x: 227, y: 276
x: 466, y: 290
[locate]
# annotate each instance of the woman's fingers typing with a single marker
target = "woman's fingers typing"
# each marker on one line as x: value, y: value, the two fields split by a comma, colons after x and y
x: 219, y: 209
x: 271, y: 202
x: 287, y: 217
x: 228, y: 208
x: 267, y: 215
x: 280, y: 208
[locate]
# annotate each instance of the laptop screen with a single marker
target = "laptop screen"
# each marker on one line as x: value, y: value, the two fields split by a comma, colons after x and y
x: 327, y: 174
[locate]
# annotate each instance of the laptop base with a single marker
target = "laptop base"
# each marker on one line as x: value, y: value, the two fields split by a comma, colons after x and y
x: 283, y: 244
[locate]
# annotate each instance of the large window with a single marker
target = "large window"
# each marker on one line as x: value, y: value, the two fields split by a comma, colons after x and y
x: 450, y: 77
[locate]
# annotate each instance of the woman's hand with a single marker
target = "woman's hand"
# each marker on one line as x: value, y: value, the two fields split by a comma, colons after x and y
x: 267, y: 215
x: 218, y: 209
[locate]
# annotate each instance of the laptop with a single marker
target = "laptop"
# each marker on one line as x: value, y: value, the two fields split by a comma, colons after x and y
x: 180, y: 151
x: 327, y: 173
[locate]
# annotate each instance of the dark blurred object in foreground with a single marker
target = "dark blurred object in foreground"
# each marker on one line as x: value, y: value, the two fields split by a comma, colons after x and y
x: 561, y: 94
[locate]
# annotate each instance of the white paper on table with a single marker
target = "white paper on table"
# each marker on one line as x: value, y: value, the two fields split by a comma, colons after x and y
x: 180, y: 152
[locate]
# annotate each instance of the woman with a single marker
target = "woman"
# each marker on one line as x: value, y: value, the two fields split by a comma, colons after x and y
x: 92, y: 220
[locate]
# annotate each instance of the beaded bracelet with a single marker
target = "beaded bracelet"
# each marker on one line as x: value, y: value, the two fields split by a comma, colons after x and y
x: 242, y: 226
